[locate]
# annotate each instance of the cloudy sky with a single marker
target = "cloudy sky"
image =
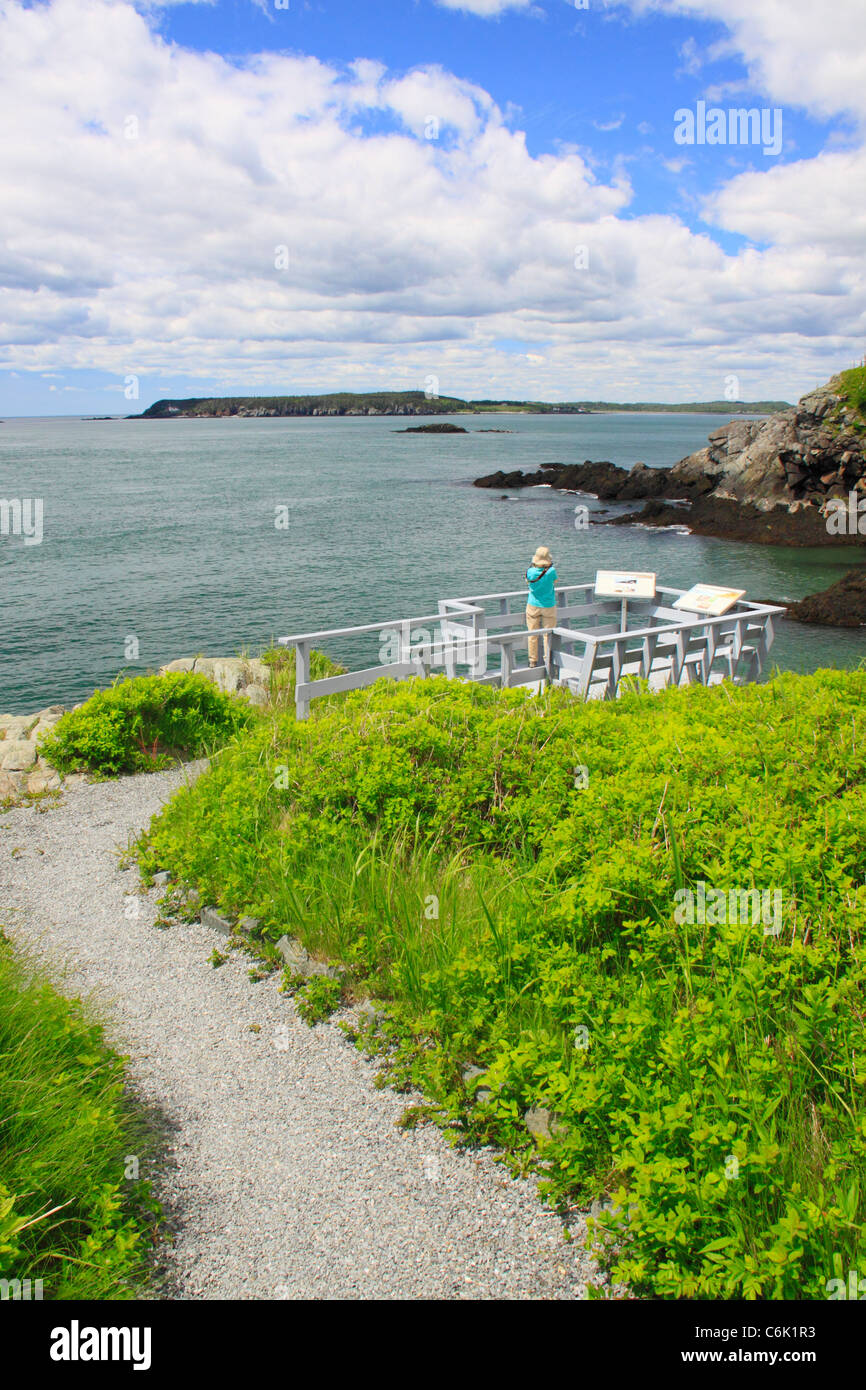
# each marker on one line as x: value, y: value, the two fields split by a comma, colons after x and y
x: 301, y: 195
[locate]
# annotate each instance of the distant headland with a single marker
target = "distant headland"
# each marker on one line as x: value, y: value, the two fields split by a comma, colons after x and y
x: 419, y: 403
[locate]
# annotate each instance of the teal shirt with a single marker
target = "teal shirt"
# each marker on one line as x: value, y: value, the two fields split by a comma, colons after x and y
x: 541, y: 582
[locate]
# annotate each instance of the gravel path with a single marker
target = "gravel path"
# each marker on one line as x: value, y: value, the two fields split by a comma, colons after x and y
x: 285, y: 1176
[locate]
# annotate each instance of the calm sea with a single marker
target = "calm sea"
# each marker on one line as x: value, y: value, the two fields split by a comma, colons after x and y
x: 162, y: 534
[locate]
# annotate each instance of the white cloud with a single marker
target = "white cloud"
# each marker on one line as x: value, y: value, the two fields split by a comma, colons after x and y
x: 406, y: 255
x: 487, y: 9
x: 797, y: 51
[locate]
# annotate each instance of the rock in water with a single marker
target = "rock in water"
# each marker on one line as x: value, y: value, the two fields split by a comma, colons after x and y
x: 433, y: 429
x: 843, y: 604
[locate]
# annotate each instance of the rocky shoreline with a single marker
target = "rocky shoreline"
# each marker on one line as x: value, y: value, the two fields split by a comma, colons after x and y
x: 796, y: 478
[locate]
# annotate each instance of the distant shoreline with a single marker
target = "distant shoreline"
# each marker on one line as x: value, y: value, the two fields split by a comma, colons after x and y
x: 416, y: 403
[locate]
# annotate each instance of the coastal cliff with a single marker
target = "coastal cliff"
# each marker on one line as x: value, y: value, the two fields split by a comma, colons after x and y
x: 795, y: 478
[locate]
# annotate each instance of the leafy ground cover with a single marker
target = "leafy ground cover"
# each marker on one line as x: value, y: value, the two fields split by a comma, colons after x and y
x: 510, y: 874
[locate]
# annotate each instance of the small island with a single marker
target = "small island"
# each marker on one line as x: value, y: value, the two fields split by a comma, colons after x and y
x: 433, y: 429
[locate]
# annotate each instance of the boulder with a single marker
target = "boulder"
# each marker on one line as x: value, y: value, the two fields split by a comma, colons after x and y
x: 470, y: 1076
x: 11, y: 784
x: 17, y: 755
x: 44, y: 779
x: 299, y: 961
x: 183, y: 663
x: 258, y: 672
x: 19, y: 727
x: 228, y: 674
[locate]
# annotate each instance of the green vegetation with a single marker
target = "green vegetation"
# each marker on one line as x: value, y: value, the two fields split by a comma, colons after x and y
x: 69, y: 1214
x: 316, y: 998
x: 142, y: 724
x: 281, y: 663
x: 416, y: 402
x: 851, y: 386
x: 706, y: 1077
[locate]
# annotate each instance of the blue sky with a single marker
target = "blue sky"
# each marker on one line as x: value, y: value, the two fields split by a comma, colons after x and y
x: 149, y: 257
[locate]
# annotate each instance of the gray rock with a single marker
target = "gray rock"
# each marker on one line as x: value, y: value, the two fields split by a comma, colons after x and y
x: 296, y: 957
x: 471, y: 1074
x: 44, y: 779
x: 16, y: 755
x: 542, y: 1123
x: 209, y: 917
x: 319, y: 967
x: 248, y: 926
x: 228, y: 674
x: 162, y: 878
x: 11, y: 784
x: 183, y: 663
x: 255, y: 694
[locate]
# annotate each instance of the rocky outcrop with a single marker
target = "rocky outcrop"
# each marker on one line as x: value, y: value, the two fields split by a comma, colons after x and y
x: 843, y: 604
x: 604, y: 480
x: 795, y: 478
x: 802, y: 457
x: 22, y: 768
x: 247, y: 677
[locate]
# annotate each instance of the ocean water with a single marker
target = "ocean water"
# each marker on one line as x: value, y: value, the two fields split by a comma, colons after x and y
x: 164, y: 532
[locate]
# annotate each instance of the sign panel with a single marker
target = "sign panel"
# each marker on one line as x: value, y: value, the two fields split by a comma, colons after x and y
x: 625, y: 584
x: 709, y: 599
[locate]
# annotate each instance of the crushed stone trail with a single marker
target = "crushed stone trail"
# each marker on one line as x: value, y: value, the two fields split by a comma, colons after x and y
x: 283, y: 1175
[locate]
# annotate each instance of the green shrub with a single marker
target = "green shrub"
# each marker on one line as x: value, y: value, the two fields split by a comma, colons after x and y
x: 318, y: 998
x: 142, y: 724
x: 708, y: 1077
x: 68, y: 1213
x: 852, y: 388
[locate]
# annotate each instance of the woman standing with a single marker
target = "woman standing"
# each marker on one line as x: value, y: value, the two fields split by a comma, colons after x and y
x: 541, y: 603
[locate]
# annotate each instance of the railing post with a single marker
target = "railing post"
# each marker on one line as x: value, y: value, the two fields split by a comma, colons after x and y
x: 553, y: 647
x: 506, y: 665
x: 302, y: 676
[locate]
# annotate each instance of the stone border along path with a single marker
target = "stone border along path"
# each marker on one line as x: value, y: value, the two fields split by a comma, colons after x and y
x: 284, y: 1176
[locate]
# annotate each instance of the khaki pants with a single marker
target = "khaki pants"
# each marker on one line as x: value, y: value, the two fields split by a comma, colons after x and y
x: 536, y: 618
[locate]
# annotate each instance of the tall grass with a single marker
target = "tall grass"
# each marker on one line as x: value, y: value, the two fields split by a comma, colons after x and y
x: 68, y: 1213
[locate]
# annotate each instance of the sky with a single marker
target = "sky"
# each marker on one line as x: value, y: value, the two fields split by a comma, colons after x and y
x: 532, y: 199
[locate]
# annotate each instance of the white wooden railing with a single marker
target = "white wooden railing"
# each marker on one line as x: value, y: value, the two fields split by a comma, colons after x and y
x: 596, y: 643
